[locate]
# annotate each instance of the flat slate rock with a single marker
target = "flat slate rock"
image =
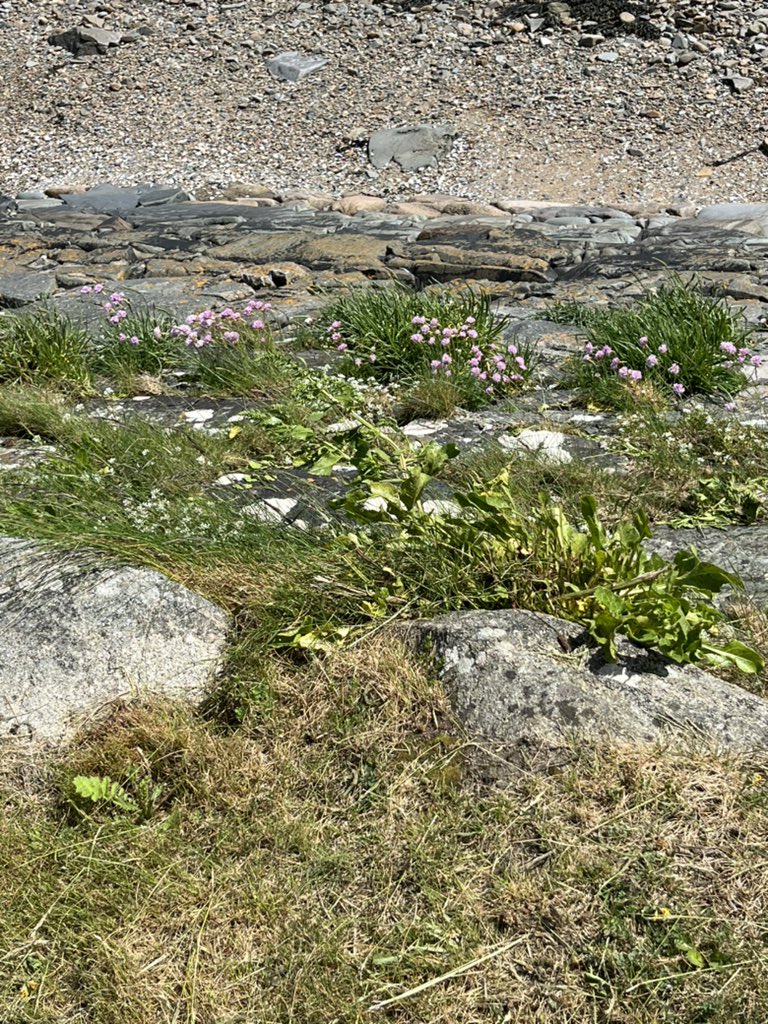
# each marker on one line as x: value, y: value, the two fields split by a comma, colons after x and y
x: 110, y: 199
x: 410, y: 148
x: 510, y: 680
x: 75, y: 636
x: 24, y: 286
x: 751, y: 218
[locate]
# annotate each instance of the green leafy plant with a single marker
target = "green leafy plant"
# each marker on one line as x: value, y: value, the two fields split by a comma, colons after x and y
x: 491, y: 553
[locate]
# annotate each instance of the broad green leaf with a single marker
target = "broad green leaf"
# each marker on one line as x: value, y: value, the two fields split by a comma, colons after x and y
x: 735, y: 653
x: 324, y: 465
x: 608, y: 600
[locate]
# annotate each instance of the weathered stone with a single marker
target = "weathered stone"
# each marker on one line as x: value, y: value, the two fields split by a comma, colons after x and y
x: 414, y: 209
x: 160, y: 196
x: 85, y: 40
x: 518, y: 677
x: 75, y: 636
x: 21, y: 287
x: 292, y: 66
x: 110, y: 199
x: 751, y: 218
x: 410, y: 148
x: 350, y: 205
x: 337, y: 252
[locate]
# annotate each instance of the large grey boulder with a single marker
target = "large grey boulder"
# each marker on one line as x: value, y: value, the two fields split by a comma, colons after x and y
x: 410, y: 148
x: 518, y: 677
x: 75, y: 635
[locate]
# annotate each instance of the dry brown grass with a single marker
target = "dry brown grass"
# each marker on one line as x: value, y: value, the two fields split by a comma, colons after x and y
x: 341, y: 849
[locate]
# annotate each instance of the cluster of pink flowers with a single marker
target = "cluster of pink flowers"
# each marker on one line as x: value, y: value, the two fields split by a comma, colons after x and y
x: 738, y: 356
x: 451, y: 351
x: 495, y: 367
x: 606, y: 356
x: 114, y: 310
x: 334, y: 332
x: 230, y: 326
x: 654, y: 361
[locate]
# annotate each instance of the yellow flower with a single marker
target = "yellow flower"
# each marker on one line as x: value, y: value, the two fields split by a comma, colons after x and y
x: 758, y: 779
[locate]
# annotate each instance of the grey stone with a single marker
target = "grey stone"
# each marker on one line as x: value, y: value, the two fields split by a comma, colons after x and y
x: 292, y: 67
x: 110, y: 199
x: 37, y: 205
x: 739, y: 83
x: 410, y: 148
x: 75, y: 636
x: 518, y: 677
x: 161, y: 196
x: 751, y: 218
x: 549, y: 444
x: 23, y: 286
x: 85, y: 41
x: 104, y: 199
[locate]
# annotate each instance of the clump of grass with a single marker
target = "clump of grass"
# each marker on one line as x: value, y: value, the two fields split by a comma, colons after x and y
x: 242, y: 371
x: 431, y: 398
x: 679, y: 340
x: 141, y: 345
x: 394, y: 335
x: 43, y: 348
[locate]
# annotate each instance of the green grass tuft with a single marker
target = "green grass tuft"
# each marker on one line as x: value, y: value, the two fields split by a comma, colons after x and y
x: 679, y: 327
x: 43, y: 348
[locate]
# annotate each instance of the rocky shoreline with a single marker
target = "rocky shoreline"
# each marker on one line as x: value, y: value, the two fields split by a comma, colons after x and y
x: 164, y: 252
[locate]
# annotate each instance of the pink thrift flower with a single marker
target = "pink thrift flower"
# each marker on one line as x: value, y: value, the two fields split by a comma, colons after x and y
x: 678, y: 389
x: 674, y: 369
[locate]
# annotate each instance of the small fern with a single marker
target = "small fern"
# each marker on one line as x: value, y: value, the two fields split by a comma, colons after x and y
x: 101, y: 789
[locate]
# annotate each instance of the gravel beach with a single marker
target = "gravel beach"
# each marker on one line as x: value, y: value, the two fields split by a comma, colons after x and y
x: 579, y: 102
